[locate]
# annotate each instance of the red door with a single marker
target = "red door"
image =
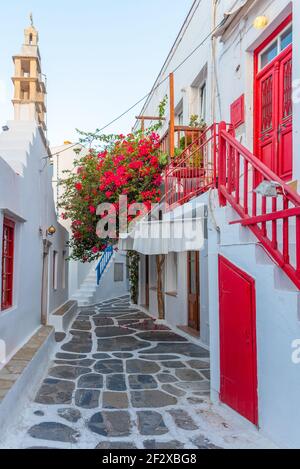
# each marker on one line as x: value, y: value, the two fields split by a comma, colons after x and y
x: 274, y: 110
x: 238, y: 361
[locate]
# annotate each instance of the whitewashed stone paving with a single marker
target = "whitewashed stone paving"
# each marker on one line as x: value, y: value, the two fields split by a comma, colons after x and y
x: 120, y: 380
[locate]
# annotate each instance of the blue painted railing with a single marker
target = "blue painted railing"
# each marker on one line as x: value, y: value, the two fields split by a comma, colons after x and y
x: 102, y: 264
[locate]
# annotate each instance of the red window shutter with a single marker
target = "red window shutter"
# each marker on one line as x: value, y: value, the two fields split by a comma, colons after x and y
x: 7, y: 264
x: 237, y: 112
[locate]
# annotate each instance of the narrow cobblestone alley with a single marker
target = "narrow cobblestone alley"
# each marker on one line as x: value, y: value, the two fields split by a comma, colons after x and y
x: 119, y: 380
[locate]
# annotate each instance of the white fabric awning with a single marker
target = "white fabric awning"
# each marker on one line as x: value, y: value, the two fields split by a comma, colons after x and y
x: 162, y: 237
x: 126, y: 242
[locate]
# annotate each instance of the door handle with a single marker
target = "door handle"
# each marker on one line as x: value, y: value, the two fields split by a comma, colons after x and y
x: 263, y: 137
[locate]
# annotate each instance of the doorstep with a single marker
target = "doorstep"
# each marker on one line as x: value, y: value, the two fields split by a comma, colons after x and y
x: 190, y: 331
x: 21, y: 376
x: 63, y: 316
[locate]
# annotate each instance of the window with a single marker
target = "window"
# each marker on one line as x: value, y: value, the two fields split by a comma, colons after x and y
x: 180, y: 118
x: 54, y: 270
x: 286, y: 38
x: 269, y: 54
x: 283, y: 40
x: 118, y: 272
x: 7, y: 264
x: 202, y: 97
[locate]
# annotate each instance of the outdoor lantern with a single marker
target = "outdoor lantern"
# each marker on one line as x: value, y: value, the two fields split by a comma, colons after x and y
x: 269, y: 189
x: 51, y: 230
x: 260, y: 22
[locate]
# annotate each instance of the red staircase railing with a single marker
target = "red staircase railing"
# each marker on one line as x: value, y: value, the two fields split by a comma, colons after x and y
x: 216, y: 159
x: 275, y: 221
x: 194, y: 171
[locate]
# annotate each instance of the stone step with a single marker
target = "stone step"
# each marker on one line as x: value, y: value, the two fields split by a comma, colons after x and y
x: 63, y: 316
x: 22, y: 374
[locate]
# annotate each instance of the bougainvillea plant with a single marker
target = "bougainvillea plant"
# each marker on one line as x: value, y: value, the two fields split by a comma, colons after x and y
x: 128, y: 166
x: 117, y: 166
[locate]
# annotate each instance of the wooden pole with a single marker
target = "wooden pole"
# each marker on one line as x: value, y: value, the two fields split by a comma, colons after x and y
x: 172, y: 117
x: 160, y: 261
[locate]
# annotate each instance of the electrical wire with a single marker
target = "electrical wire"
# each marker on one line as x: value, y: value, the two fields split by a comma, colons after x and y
x: 148, y: 94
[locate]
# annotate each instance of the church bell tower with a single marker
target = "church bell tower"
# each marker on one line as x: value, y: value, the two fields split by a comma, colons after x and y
x: 29, y: 84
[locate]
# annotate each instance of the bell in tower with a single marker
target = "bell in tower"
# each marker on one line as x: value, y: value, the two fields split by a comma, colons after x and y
x: 29, y: 85
x: 31, y: 34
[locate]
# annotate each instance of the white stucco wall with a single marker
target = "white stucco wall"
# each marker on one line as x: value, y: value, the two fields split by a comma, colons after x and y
x: 26, y: 197
x: 231, y: 73
x: 110, y: 288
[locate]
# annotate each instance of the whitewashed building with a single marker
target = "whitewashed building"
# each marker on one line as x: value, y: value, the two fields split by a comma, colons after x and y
x: 33, y: 244
x: 239, y: 293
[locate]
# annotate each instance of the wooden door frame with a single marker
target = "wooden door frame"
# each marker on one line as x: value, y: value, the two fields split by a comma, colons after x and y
x: 257, y: 74
x: 45, y: 282
x: 198, y: 329
x: 147, y: 285
x: 251, y: 280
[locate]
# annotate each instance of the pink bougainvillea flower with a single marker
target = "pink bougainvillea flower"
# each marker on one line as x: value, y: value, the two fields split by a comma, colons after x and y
x: 92, y: 209
x: 108, y: 194
x: 95, y: 250
x: 78, y: 186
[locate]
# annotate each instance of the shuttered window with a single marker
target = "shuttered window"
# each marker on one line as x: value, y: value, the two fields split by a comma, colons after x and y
x: 7, y: 264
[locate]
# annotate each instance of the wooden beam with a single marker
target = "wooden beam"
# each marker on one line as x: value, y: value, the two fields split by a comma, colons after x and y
x: 172, y: 117
x: 150, y: 118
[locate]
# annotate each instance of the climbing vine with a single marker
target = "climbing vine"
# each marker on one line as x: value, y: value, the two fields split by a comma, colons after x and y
x: 133, y: 258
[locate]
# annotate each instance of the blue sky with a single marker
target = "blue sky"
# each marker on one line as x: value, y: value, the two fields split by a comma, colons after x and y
x: 100, y: 56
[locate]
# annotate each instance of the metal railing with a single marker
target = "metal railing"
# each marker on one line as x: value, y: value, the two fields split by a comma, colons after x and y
x: 194, y: 171
x: 275, y: 221
x: 103, y: 262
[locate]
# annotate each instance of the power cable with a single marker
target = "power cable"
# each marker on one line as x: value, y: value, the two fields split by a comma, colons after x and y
x: 148, y: 94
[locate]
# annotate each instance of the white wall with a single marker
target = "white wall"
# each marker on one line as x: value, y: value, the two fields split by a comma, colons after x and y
x: 26, y: 197
x: 277, y: 326
x: 63, y: 160
x: 109, y: 287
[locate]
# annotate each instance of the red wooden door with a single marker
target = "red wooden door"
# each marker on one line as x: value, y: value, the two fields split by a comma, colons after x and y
x: 238, y: 358
x: 273, y: 102
x: 193, y: 259
x: 285, y: 120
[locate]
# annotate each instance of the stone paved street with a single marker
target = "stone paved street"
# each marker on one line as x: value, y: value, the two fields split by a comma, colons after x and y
x: 121, y: 380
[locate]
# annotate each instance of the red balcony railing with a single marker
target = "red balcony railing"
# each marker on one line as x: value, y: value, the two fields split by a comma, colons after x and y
x: 275, y: 221
x: 194, y: 171
x: 183, y: 137
x: 216, y: 159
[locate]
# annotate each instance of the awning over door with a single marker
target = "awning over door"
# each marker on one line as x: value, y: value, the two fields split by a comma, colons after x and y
x: 162, y: 237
